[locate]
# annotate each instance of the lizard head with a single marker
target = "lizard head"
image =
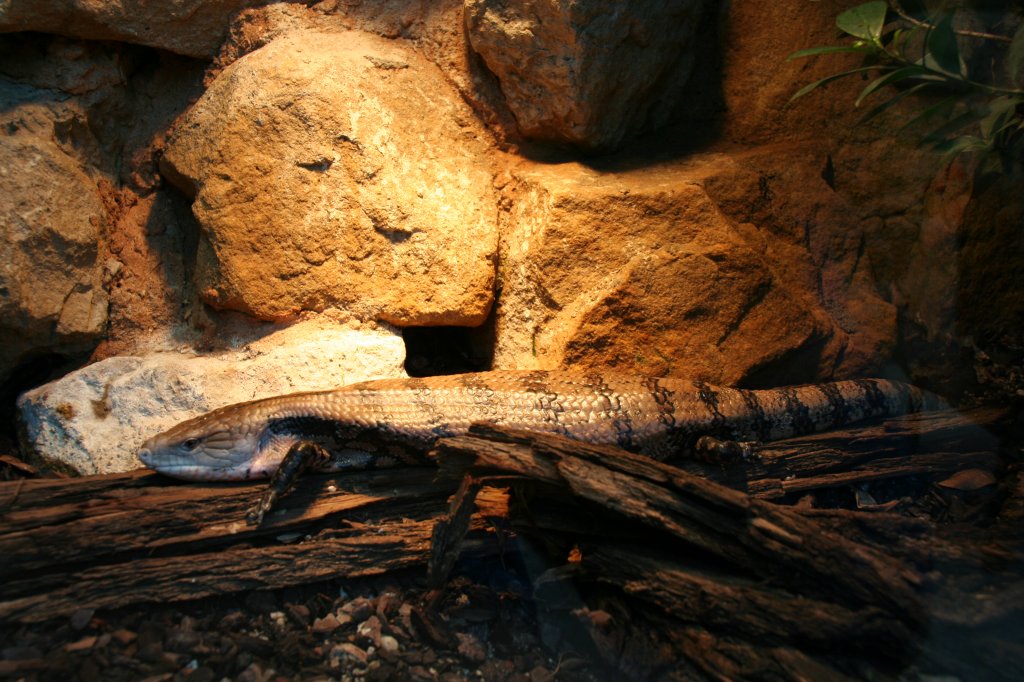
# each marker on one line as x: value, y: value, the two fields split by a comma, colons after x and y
x: 211, y: 447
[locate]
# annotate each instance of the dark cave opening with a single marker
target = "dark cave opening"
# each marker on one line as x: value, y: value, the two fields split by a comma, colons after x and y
x: 430, y: 351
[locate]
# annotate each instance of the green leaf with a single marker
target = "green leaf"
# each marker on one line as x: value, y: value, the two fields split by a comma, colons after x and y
x: 943, y: 108
x: 828, y: 79
x: 829, y: 49
x: 1015, y: 57
x: 891, y: 102
x: 989, y: 123
x: 970, y: 117
x: 864, y: 21
x: 888, y: 79
x: 1002, y: 115
x: 942, y: 46
x: 964, y: 143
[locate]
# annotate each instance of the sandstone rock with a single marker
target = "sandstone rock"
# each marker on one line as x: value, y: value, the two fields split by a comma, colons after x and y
x: 640, y: 270
x: 758, y: 81
x: 435, y: 30
x: 51, y: 216
x: 824, y: 241
x: 988, y: 302
x: 189, y: 27
x: 74, y: 67
x: 366, y: 189
x: 586, y: 72
x: 145, y: 271
x: 92, y: 421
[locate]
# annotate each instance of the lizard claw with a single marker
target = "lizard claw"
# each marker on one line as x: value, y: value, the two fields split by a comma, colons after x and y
x: 254, y: 515
x: 253, y: 518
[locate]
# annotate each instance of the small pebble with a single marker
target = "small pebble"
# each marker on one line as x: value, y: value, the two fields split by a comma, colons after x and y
x: 359, y: 608
x: 345, y: 655
x: 326, y: 625
x: 470, y: 648
x: 81, y: 618
x: 541, y: 674
x: 83, y: 645
x: 201, y: 674
x: 233, y: 620
x: 388, y: 644
x: 299, y: 613
x: 369, y: 631
x: 418, y: 672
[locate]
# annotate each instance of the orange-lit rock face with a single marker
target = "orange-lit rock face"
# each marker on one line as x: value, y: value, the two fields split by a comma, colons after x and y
x: 51, y: 217
x: 641, y: 270
x: 190, y: 27
x: 589, y: 72
x: 337, y: 170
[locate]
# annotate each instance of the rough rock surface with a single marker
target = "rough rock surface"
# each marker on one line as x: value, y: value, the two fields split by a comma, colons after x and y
x: 757, y: 81
x: 190, y: 27
x: 825, y: 239
x: 435, y: 29
x: 641, y: 270
x: 51, y: 217
x: 587, y: 72
x: 367, y: 190
x: 93, y: 420
x: 102, y: 107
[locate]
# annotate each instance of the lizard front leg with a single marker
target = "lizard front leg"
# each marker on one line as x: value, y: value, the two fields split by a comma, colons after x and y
x: 299, y: 458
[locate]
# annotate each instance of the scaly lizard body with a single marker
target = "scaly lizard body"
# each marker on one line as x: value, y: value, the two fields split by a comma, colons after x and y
x: 394, y: 421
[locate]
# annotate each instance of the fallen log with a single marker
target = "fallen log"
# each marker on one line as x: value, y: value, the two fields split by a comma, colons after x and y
x: 108, y: 541
x: 692, y: 546
x: 926, y: 444
x: 739, y: 587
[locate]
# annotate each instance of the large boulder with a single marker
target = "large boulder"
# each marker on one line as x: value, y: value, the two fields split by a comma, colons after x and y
x: 586, y: 72
x: 641, y: 270
x: 92, y: 421
x: 51, y: 218
x: 819, y: 226
x: 339, y: 170
x: 194, y: 28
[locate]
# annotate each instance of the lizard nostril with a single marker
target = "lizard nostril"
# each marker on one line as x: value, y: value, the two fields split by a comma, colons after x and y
x: 145, y: 454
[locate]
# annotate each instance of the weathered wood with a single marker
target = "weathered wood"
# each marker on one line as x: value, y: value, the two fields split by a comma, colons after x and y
x: 774, y: 542
x: 930, y: 443
x: 744, y: 588
x: 114, y: 540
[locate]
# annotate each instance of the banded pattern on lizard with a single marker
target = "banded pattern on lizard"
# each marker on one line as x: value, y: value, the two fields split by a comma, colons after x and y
x: 394, y: 421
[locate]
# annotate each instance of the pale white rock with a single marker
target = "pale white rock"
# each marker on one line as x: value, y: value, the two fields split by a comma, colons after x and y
x: 586, y: 72
x: 190, y: 27
x: 389, y: 644
x: 338, y: 169
x: 92, y: 421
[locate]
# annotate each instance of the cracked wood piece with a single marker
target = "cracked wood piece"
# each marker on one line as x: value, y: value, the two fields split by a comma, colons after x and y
x: 108, y: 541
x: 933, y: 443
x: 750, y: 536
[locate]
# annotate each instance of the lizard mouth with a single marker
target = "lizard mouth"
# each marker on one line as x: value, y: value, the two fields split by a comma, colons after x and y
x: 190, y: 468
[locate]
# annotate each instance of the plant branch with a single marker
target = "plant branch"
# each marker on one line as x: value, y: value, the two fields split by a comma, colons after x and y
x: 924, y: 24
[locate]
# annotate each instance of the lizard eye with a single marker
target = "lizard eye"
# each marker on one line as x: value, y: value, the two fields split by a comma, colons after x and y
x: 192, y: 443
